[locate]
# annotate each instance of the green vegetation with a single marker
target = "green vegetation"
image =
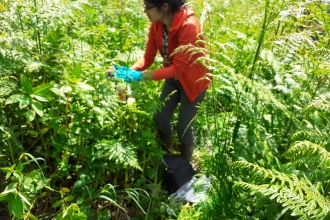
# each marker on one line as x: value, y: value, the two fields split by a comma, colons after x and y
x: 70, y: 149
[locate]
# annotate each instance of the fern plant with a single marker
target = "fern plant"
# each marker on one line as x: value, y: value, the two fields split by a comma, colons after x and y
x: 296, y: 186
x: 313, y: 127
x: 261, y: 91
x: 122, y: 154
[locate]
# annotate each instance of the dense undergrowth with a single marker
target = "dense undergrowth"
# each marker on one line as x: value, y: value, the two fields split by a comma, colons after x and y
x: 70, y: 149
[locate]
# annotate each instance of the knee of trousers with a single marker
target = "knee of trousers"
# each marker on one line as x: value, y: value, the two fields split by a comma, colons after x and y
x: 162, y: 124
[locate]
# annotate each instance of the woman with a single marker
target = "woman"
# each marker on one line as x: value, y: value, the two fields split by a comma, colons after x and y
x: 172, y: 25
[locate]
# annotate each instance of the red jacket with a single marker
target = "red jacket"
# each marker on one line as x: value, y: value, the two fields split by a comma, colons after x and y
x: 185, y: 30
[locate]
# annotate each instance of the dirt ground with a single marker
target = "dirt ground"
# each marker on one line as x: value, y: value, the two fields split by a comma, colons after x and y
x: 4, y: 215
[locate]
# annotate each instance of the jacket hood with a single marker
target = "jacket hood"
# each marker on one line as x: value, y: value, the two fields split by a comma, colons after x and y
x: 180, y: 16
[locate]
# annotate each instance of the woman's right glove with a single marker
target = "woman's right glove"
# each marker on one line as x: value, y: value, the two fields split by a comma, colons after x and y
x: 127, y: 74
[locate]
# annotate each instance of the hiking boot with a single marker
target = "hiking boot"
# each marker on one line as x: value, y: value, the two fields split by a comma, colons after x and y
x: 167, y: 141
x: 186, y: 150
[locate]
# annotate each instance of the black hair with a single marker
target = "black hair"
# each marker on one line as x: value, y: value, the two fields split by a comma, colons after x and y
x: 175, y: 5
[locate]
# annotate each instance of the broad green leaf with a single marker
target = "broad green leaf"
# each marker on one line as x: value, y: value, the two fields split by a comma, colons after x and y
x: 85, y: 86
x: 33, y: 132
x: 80, y: 216
x: 10, y: 188
x: 57, y: 204
x: 61, y: 130
x: 24, y: 198
x: 42, y: 88
x: 148, y: 134
x: 58, y: 92
x: 26, y: 85
x: 15, y: 207
x: 19, y: 177
x: 8, y: 170
x: 8, y: 175
x: 65, y: 190
x: 79, y: 183
x: 24, y: 102
x: 7, y: 196
x: 74, y: 207
x: 37, y: 107
x: 19, y: 168
x: 42, y: 98
x: 77, y: 71
x: 74, y: 80
x: 42, y: 195
x: 4, y: 197
x: 66, y: 89
x: 43, y: 131
x: 14, y: 98
x: 69, y: 198
x: 30, y: 115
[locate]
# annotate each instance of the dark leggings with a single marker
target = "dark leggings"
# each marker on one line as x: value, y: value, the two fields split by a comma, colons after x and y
x: 187, y: 110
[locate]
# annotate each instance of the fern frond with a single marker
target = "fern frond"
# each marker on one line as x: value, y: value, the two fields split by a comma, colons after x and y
x: 256, y: 172
x: 282, y: 89
x: 271, y: 59
x: 313, y: 135
x: 121, y: 153
x: 299, y: 194
x: 228, y: 91
x: 305, y: 97
x: 290, y: 44
x: 297, y: 38
x: 222, y: 57
x: 129, y: 56
x: 304, y: 200
x: 216, y: 67
x: 321, y: 103
x: 323, y: 54
x: 303, y: 151
x: 280, y: 193
x: 264, y: 94
x: 190, y: 49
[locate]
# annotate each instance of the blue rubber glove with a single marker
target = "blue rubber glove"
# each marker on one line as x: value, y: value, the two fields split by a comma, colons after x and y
x: 127, y: 74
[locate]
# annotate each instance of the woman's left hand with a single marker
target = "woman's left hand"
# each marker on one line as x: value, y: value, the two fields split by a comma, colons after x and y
x: 148, y: 75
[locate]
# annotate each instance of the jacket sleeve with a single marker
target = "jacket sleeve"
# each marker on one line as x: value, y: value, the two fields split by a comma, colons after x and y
x: 180, y: 61
x: 150, y: 52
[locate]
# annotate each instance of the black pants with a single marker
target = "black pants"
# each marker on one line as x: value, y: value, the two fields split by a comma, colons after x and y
x: 174, y: 94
